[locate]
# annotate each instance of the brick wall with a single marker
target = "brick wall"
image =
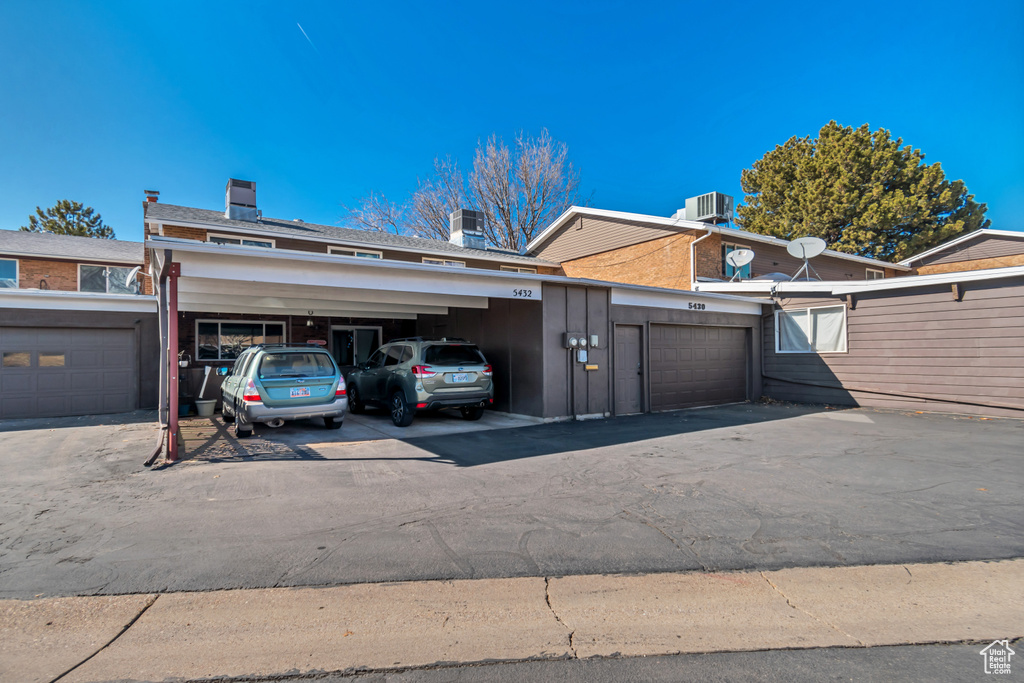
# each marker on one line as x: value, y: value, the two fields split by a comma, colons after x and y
x: 185, y: 233
x: 977, y: 264
x: 56, y: 275
x: 709, y: 256
x: 664, y: 262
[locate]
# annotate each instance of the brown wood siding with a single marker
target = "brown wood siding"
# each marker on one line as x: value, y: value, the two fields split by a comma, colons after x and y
x: 979, y: 264
x: 586, y: 236
x: 918, y: 349
x: 983, y: 247
x: 771, y: 258
x: 324, y: 248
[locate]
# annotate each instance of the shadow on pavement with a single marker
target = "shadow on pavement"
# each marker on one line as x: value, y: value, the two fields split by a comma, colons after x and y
x: 499, y: 445
x: 30, y: 424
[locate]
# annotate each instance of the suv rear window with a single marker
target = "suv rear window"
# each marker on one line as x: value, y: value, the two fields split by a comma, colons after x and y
x: 296, y: 364
x: 453, y: 354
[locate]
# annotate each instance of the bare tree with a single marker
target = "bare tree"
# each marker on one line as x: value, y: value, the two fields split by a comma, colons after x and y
x: 375, y: 212
x: 520, y: 190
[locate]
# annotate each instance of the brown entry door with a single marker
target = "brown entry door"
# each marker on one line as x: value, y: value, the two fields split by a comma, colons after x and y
x: 628, y: 370
x: 697, y: 366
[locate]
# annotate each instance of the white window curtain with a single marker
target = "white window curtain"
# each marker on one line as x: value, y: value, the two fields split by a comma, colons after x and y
x: 812, y: 330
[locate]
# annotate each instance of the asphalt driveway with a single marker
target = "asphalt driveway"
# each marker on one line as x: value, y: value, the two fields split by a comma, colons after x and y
x: 736, y: 487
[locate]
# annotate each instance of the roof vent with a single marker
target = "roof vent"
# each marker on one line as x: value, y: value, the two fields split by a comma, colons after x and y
x: 467, y: 229
x: 240, y: 200
x: 713, y: 207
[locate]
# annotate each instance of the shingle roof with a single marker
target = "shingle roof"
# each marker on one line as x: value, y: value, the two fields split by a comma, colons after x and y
x: 69, y: 247
x: 169, y: 213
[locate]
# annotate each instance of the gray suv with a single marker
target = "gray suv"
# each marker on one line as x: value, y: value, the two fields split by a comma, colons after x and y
x: 407, y: 375
x: 271, y: 383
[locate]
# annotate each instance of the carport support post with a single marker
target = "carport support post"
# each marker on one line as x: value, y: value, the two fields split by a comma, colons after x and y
x: 172, y: 359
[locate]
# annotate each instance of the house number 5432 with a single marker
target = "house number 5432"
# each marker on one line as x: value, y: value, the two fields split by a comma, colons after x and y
x: 523, y: 293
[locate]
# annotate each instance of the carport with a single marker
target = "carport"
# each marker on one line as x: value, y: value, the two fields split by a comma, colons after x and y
x: 196, y: 277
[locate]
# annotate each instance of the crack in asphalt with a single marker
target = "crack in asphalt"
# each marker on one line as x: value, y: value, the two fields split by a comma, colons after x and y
x: 547, y: 599
x: 676, y: 543
x: 812, y: 616
x: 124, y: 629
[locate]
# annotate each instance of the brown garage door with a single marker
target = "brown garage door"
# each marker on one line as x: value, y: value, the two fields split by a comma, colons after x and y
x: 697, y: 366
x: 50, y: 372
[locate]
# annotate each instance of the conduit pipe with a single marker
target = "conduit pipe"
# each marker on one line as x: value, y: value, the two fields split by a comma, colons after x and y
x: 693, y: 259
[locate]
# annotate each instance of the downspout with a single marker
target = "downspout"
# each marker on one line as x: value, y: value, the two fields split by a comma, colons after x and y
x: 693, y: 259
x: 172, y: 357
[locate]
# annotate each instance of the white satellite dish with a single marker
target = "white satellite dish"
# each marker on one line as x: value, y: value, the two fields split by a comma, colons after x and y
x: 806, y: 248
x: 131, y: 276
x: 737, y: 258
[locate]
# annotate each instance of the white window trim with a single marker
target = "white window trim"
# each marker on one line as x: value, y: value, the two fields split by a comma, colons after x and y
x: 219, y: 321
x: 517, y: 269
x: 251, y: 238
x: 881, y: 273
x: 17, y: 272
x: 846, y: 330
x: 355, y: 252
x: 451, y: 263
x: 78, y: 273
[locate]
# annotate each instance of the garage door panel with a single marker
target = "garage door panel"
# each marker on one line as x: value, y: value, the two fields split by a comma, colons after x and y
x: 693, y: 365
x: 74, y: 371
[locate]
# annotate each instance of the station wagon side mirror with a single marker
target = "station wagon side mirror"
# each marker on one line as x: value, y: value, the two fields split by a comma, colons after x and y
x: 222, y: 371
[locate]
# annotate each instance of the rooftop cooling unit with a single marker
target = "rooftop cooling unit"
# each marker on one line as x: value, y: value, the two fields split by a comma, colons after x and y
x: 240, y: 200
x: 713, y: 207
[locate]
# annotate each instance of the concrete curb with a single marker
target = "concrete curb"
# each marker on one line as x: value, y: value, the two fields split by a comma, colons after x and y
x: 407, y: 625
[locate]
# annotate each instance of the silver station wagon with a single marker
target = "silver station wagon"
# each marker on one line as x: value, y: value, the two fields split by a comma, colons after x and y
x: 271, y: 383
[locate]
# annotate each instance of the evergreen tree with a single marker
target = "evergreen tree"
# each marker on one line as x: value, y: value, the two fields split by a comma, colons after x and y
x: 69, y: 218
x: 860, y: 191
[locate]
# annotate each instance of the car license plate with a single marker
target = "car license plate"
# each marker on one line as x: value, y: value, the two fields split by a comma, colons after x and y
x: 460, y: 377
x: 299, y: 392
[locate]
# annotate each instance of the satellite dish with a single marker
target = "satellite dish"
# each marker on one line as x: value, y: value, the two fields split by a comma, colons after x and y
x: 131, y: 276
x: 737, y: 258
x: 806, y: 248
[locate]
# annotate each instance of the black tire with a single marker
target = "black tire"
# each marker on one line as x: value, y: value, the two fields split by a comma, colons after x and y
x: 242, y: 430
x: 401, y: 413
x: 472, y: 412
x: 332, y: 422
x: 226, y: 413
x: 355, y: 405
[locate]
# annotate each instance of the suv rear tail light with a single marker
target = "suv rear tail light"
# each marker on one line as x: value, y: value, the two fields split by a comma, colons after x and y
x: 340, y: 391
x: 250, y: 393
x: 423, y: 371
x: 488, y: 371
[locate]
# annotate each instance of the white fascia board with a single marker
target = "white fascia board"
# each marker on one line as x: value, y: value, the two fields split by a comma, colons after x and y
x: 692, y: 225
x: 88, y: 260
x: 984, y: 232
x: 574, y: 211
x: 768, y: 286
x: 274, y: 266
x: 926, y: 280
x: 480, y: 255
x: 246, y: 309
x: 683, y: 300
x: 46, y: 299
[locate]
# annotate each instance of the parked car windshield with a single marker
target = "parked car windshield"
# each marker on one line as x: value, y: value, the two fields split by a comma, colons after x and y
x: 453, y: 354
x: 296, y: 364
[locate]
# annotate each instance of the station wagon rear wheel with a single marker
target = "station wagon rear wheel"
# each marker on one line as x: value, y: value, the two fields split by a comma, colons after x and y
x: 225, y: 413
x: 401, y: 413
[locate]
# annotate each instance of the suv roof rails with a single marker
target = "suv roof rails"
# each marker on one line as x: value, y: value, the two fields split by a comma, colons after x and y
x: 457, y: 340
x: 280, y: 345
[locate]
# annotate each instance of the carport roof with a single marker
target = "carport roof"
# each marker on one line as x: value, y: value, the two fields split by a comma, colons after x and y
x: 182, y: 215
x: 254, y: 280
x: 48, y: 245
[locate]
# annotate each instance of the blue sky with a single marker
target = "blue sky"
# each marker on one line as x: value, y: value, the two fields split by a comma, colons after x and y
x: 657, y: 102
